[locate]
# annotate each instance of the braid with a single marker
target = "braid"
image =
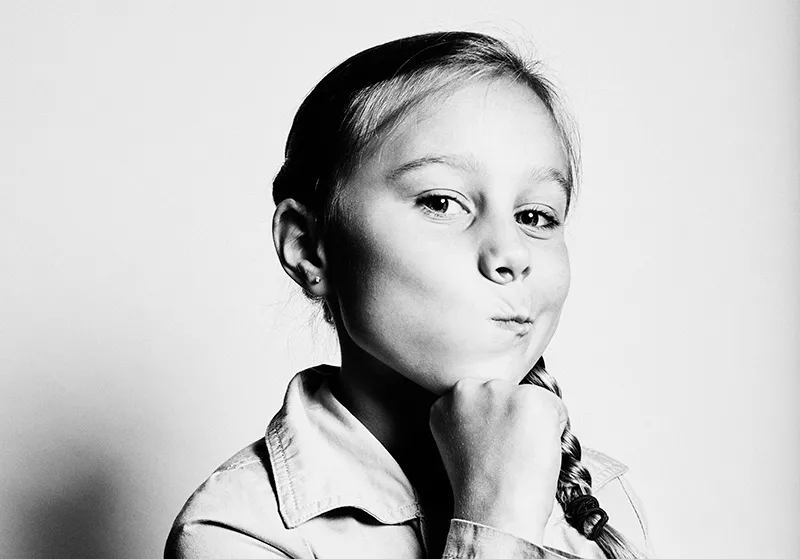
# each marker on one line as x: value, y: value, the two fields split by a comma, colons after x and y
x: 575, y: 481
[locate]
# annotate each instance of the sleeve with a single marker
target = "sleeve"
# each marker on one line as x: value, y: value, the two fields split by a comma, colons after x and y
x: 470, y: 540
x: 215, y: 540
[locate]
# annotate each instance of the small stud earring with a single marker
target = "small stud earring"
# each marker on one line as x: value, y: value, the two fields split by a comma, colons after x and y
x: 315, y: 280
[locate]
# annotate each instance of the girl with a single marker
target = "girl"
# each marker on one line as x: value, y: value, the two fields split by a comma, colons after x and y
x: 422, y: 202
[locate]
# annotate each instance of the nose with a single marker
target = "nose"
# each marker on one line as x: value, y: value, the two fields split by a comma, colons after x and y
x: 504, y: 254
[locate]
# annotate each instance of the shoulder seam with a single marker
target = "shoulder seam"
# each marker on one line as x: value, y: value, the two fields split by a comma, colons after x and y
x: 238, y: 465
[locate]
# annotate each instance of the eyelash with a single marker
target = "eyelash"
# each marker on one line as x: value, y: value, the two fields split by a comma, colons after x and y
x: 552, y: 219
x: 426, y: 199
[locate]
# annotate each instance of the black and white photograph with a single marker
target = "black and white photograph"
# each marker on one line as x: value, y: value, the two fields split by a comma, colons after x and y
x: 418, y: 280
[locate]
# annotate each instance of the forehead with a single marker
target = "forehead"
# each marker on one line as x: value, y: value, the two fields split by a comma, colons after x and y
x: 496, y: 123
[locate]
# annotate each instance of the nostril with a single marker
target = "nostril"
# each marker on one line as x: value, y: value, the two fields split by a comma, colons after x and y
x: 505, y: 273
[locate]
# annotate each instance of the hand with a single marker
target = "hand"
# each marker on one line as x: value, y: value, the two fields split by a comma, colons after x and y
x: 501, y: 447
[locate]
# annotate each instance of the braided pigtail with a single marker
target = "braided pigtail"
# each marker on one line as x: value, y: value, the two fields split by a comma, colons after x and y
x: 574, y: 492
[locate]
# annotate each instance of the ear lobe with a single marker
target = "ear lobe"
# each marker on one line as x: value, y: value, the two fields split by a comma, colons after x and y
x: 299, y: 246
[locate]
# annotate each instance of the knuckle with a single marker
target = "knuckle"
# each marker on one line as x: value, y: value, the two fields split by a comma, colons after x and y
x: 547, y: 405
x: 496, y: 386
x: 557, y: 411
x: 495, y: 383
x: 465, y: 385
x: 536, y: 394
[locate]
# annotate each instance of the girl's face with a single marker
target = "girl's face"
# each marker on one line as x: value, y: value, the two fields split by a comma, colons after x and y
x: 451, y: 261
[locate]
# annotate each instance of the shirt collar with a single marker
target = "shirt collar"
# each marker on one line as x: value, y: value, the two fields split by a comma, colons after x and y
x: 323, y: 458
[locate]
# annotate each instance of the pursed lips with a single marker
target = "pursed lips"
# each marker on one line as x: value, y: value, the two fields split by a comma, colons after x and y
x: 519, y: 324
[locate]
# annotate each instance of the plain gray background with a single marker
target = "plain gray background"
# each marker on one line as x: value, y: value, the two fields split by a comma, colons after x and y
x: 147, y: 332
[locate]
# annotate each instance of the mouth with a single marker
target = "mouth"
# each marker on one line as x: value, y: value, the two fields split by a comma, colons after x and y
x: 518, y: 324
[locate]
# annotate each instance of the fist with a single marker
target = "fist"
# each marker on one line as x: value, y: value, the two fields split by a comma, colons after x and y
x: 500, y: 443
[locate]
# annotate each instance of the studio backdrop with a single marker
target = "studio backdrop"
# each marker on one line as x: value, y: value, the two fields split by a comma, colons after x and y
x: 147, y: 331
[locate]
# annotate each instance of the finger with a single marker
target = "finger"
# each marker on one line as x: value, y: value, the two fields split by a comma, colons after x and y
x: 555, y: 403
x: 563, y: 416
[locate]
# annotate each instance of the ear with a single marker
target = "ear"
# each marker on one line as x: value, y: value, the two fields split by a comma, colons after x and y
x: 299, y: 246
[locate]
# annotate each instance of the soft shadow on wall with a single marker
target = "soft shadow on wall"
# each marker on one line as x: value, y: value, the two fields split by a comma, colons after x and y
x: 72, y: 493
x: 75, y: 519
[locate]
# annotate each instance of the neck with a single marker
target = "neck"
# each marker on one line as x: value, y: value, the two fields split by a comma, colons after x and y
x: 396, y: 411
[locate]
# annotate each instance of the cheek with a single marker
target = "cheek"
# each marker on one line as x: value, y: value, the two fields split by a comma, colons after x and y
x: 403, y: 297
x: 551, y: 276
x: 373, y: 269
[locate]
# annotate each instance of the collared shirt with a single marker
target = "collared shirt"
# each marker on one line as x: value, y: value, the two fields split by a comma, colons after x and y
x: 319, y: 485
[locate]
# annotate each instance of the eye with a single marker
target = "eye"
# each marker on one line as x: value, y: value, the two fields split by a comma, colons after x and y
x: 441, y: 205
x: 537, y: 218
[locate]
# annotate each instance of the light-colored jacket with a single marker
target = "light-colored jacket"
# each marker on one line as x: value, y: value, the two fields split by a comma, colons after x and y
x: 321, y: 486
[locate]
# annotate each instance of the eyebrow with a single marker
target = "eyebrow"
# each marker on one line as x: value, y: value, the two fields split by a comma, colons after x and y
x: 469, y: 164
x: 463, y: 163
x: 551, y: 174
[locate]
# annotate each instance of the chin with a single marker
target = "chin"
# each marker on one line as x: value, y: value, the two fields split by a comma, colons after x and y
x: 445, y: 377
